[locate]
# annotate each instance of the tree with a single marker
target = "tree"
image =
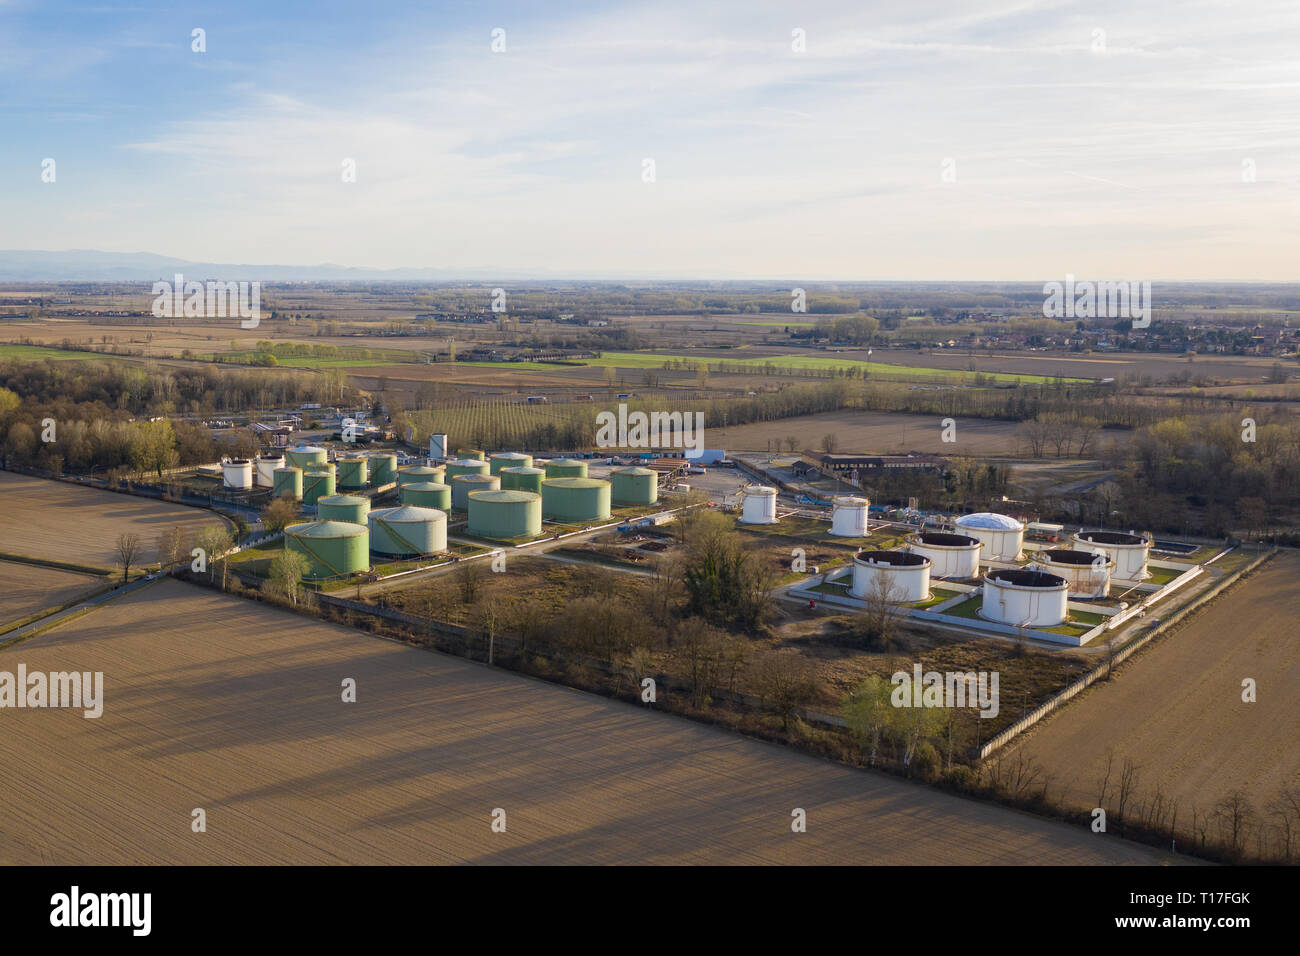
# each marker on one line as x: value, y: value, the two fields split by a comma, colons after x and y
x: 215, y: 540
x: 171, y: 548
x: 279, y: 514
x: 791, y: 443
x: 286, y: 573
x: 830, y: 443
x: 867, y: 711
x: 128, y: 548
x: 469, y: 578
x: 784, y: 681
x: 882, y: 616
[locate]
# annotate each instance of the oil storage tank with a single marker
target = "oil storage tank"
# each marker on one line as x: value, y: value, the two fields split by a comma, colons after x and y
x: 353, y: 472
x: 466, y: 466
x: 849, y: 516
x: 420, y: 473
x: 350, y: 508
x: 1087, y: 574
x: 462, y: 485
x: 316, y: 485
x: 505, y: 514
x: 575, y: 499
x: 383, y: 469
x: 758, y: 505
x: 1128, y: 551
x: 407, y: 531
x: 426, y: 494
x: 332, y: 548
x: 1024, y: 598
x: 899, y: 577
x: 565, y: 468
x: 472, y: 454
x: 266, y: 466
x: 634, y: 486
x: 306, y: 456
x: 950, y: 555
x: 288, y: 483
x: 1002, y: 536
x: 237, y: 473
x: 522, y: 479
x: 509, y: 459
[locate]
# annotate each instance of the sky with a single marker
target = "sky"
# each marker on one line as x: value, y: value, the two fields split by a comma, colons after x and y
x: 991, y: 140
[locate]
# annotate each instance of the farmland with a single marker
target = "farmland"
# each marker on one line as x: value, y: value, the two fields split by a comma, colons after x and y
x: 233, y: 707
x: 873, y: 431
x: 26, y: 589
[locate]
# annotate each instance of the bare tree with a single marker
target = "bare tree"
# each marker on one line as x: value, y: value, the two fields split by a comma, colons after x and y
x: 128, y: 548
x: 784, y: 681
x: 791, y: 443
x: 829, y: 443
x: 867, y: 711
x: 469, y: 577
x: 1234, y: 815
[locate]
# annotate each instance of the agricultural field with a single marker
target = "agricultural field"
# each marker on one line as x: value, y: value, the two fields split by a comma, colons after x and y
x: 872, y: 433
x: 1176, y: 711
x: 235, y: 707
x: 37, y: 353
x: 61, y: 521
x: 27, y: 588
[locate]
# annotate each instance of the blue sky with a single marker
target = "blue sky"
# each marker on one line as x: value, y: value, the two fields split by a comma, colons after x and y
x: 1100, y: 139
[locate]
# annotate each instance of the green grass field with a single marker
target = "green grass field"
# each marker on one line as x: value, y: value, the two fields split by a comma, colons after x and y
x: 37, y: 353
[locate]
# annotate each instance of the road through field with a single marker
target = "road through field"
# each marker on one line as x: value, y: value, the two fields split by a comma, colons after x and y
x: 216, y: 703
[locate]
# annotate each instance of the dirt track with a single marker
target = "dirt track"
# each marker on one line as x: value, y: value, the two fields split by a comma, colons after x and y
x: 218, y: 703
x: 1177, y: 711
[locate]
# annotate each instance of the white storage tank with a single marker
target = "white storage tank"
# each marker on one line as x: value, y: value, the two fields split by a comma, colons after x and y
x: 237, y: 473
x: 758, y: 505
x: 849, y: 516
x: 266, y: 466
x: 1024, y: 598
x: 1002, y: 536
x: 1128, y: 551
x: 898, y: 576
x: 950, y: 555
x: 438, y: 447
x: 1088, y: 574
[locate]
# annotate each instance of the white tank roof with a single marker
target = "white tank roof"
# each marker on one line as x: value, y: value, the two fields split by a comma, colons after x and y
x: 988, y: 521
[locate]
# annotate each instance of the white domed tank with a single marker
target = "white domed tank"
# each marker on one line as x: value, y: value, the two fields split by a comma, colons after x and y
x: 407, y: 530
x: 758, y: 505
x: 899, y: 577
x: 1003, y: 537
x: 950, y: 555
x: 849, y: 516
x: 266, y: 466
x: 1128, y: 551
x: 1024, y: 598
x: 237, y: 473
x: 1088, y: 574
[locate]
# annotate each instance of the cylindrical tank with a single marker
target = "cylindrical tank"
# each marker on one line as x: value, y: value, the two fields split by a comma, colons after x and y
x: 509, y: 459
x: 758, y: 505
x: 288, y: 483
x: 466, y: 466
x: 421, y: 473
x: 565, y: 468
x: 849, y: 516
x: 383, y: 469
x: 305, y: 456
x: 471, y: 454
x: 237, y: 473
x: 1087, y: 574
x: 1024, y: 598
x: 462, y: 485
x: 438, y: 446
x: 950, y: 555
x: 426, y: 494
x: 350, y: 508
x: 1002, y: 536
x: 505, y: 514
x: 522, y: 479
x: 407, y: 531
x: 575, y: 499
x: 1128, y: 551
x: 316, y: 485
x: 332, y: 548
x: 897, y: 577
x: 266, y: 466
x: 634, y: 486
x: 353, y: 472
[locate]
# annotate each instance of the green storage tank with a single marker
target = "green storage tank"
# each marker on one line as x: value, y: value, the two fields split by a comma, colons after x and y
x: 332, y: 548
x: 505, y: 514
x: 522, y: 479
x: 288, y: 483
x: 634, y: 486
x: 383, y: 469
x: 420, y: 473
x: 466, y: 466
x: 575, y: 499
x: 316, y: 485
x: 462, y: 485
x: 351, y: 508
x: 426, y: 494
x: 509, y: 459
x: 407, y: 531
x: 306, y: 457
x: 566, y: 468
x: 354, y: 472
x: 473, y: 454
